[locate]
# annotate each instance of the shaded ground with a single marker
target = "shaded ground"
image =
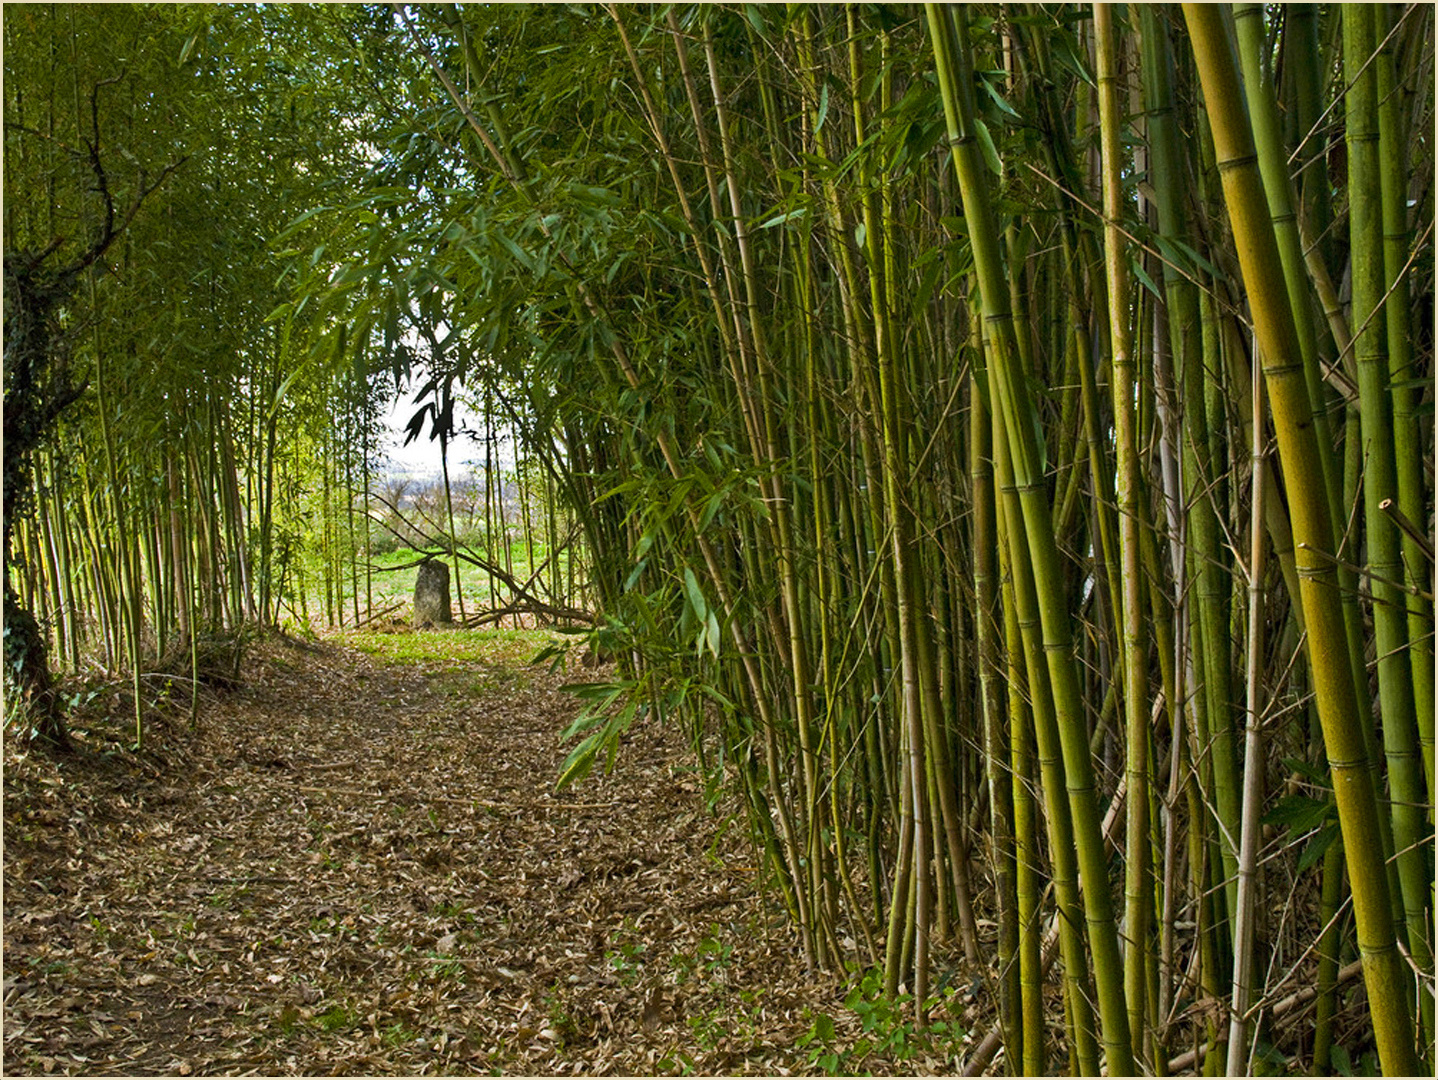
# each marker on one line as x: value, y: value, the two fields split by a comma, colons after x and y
x: 359, y: 866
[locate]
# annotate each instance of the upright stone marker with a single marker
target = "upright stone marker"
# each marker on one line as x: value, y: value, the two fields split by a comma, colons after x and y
x: 431, y: 594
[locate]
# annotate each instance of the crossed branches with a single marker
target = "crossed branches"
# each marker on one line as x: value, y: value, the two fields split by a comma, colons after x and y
x: 433, y: 538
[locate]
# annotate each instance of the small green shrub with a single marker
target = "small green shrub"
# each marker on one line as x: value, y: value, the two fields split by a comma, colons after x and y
x: 887, y: 1030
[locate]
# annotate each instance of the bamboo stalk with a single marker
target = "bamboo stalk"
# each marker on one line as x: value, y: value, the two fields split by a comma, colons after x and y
x: 1402, y: 373
x: 1327, y: 644
x: 1406, y: 775
x: 952, y: 58
x: 1245, y: 915
x: 1138, y: 893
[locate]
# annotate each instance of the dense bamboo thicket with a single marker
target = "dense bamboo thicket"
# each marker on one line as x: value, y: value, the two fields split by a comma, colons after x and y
x: 1001, y: 438
x: 976, y: 416
x: 179, y: 468
x: 201, y: 473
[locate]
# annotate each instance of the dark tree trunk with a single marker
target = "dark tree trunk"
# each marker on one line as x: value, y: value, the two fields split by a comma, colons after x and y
x: 37, y: 390
x: 27, y: 670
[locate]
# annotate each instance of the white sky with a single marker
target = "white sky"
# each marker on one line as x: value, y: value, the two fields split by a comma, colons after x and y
x: 420, y: 459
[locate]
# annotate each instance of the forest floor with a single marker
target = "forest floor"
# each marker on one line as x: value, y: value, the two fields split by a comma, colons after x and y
x: 358, y: 864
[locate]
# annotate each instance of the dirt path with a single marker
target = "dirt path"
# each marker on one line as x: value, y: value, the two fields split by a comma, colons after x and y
x: 359, y: 866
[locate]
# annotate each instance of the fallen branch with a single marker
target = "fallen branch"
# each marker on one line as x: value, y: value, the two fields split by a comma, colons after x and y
x: 1293, y: 1001
x: 532, y: 607
x: 373, y: 615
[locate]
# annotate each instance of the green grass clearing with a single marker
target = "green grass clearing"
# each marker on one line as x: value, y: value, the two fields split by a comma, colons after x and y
x: 498, y: 647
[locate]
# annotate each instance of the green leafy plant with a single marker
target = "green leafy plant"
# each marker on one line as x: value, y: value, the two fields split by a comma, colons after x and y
x: 1344, y: 1065
x: 819, y: 1041
x: 887, y: 1029
x: 627, y: 961
x: 561, y: 1020
x: 397, y: 1034
x: 708, y: 1028
x: 679, y: 1064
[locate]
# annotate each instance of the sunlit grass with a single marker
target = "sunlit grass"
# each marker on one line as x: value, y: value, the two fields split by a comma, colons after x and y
x: 505, y: 647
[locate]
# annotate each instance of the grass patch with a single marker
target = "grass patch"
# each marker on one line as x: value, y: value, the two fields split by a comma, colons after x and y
x: 500, y: 647
x: 335, y: 1018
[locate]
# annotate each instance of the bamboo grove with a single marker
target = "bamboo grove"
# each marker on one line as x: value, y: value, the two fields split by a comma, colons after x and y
x: 917, y: 376
x: 1002, y: 441
x: 204, y: 475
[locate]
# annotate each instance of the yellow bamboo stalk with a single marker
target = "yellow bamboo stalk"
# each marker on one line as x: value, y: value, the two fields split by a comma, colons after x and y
x: 1262, y: 273
x: 1138, y: 886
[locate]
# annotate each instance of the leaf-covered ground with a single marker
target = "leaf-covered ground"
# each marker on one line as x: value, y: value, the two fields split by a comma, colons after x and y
x: 359, y: 865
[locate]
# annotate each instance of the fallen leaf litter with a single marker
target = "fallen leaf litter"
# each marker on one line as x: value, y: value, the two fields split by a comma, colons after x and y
x: 360, y: 866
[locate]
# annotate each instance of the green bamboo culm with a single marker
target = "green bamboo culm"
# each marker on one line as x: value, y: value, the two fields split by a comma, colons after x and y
x: 1026, y: 656
x: 1202, y: 564
x: 948, y: 31
x: 1262, y: 272
x: 1407, y: 784
x: 1138, y: 891
x: 1003, y: 814
x: 1406, y: 394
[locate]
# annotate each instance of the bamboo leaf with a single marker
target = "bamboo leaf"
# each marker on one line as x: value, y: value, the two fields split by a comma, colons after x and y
x: 1314, y: 850
x: 1185, y: 256
x: 927, y: 285
x: 585, y: 721
x: 1300, y: 813
x: 695, y: 594
x: 998, y: 99
x: 787, y: 215
x: 634, y: 574
x: 986, y: 144
x: 606, y: 692
x: 1136, y: 268
x: 579, y: 761
x: 711, y: 630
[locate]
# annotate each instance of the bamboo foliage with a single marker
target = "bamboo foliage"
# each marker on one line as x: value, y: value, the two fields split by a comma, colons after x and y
x: 824, y: 287
x: 170, y: 502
